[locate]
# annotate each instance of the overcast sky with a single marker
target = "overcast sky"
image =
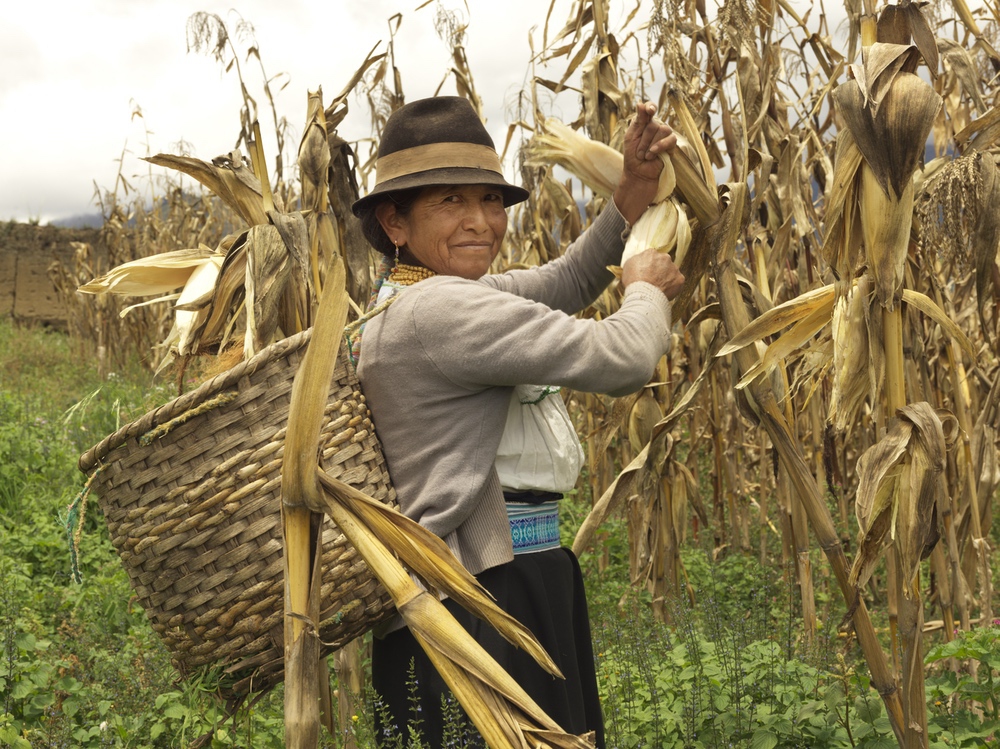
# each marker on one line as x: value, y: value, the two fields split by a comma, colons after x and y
x: 72, y: 73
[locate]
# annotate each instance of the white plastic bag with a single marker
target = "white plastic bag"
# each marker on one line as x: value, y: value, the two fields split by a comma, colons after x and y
x: 539, y: 449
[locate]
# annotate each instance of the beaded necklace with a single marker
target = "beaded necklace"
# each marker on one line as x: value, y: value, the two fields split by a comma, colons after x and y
x: 407, y: 275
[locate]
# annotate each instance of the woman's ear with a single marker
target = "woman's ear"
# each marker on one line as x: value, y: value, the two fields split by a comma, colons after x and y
x: 392, y: 223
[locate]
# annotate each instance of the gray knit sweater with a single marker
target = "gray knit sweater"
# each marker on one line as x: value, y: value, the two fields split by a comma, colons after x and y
x: 437, y: 368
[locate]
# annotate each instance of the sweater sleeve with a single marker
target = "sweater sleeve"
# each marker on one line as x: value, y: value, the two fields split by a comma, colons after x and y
x: 572, y: 282
x: 479, y: 337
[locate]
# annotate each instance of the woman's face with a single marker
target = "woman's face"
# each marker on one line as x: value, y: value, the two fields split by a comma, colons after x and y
x: 453, y: 230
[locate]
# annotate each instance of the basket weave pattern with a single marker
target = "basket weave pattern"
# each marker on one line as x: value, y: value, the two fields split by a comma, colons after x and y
x: 195, y: 514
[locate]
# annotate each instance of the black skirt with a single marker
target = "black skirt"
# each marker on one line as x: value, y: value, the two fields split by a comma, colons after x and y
x: 544, y: 591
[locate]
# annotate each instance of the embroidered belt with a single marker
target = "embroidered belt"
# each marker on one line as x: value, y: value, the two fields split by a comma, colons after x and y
x: 533, y: 527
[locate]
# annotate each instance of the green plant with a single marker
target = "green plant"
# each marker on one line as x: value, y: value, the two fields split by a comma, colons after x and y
x: 725, y: 670
x: 965, y: 705
x: 34, y: 684
x: 31, y: 454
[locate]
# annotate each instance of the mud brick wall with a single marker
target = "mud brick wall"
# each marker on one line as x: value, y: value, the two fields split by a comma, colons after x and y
x: 26, y: 251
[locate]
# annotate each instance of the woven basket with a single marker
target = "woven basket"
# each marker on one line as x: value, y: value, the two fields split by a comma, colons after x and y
x: 191, y: 494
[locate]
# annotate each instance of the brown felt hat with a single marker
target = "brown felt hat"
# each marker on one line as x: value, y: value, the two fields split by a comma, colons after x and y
x: 437, y: 141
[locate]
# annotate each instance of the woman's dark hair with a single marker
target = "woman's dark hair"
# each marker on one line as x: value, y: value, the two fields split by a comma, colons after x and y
x: 376, y: 236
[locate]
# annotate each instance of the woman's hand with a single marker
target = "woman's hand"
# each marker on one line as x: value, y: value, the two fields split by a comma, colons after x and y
x: 645, y: 139
x: 656, y: 268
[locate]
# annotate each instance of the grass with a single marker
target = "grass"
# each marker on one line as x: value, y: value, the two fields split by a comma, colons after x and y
x: 81, y: 667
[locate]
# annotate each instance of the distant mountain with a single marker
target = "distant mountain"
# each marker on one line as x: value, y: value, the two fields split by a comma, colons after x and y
x: 81, y: 221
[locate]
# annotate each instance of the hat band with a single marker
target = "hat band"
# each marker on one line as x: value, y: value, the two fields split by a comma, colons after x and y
x: 436, y: 156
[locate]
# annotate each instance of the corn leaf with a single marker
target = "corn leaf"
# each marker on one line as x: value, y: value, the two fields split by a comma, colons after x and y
x: 491, y: 697
x: 625, y: 481
x: 779, y: 317
x: 927, y: 305
x: 957, y: 59
x: 791, y: 341
x: 428, y: 556
x: 227, y: 177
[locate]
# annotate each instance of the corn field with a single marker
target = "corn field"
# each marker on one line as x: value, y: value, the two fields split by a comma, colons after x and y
x: 834, y: 380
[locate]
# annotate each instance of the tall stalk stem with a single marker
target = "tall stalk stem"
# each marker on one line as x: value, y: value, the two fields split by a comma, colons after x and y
x: 910, y: 620
x: 301, y: 525
x: 724, y: 237
x: 895, y: 377
x: 960, y: 399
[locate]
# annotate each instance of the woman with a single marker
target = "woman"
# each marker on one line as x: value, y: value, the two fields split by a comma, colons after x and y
x: 439, y: 365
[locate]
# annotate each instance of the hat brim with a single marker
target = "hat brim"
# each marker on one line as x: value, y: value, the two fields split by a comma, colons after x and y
x: 512, y: 194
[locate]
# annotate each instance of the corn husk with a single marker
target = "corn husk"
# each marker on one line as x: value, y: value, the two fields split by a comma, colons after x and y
x: 192, y: 305
x: 683, y: 237
x: 905, y: 21
x: 314, y: 155
x: 196, y: 270
x: 689, y: 137
x: 643, y: 416
x: 268, y: 268
x: 148, y: 303
x: 596, y: 164
x: 899, y: 478
x: 852, y: 379
x: 842, y: 241
x: 226, y: 303
x: 885, y: 225
x: 599, y: 167
x: 149, y: 276
x: 656, y: 228
x: 698, y: 191
x: 890, y: 112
